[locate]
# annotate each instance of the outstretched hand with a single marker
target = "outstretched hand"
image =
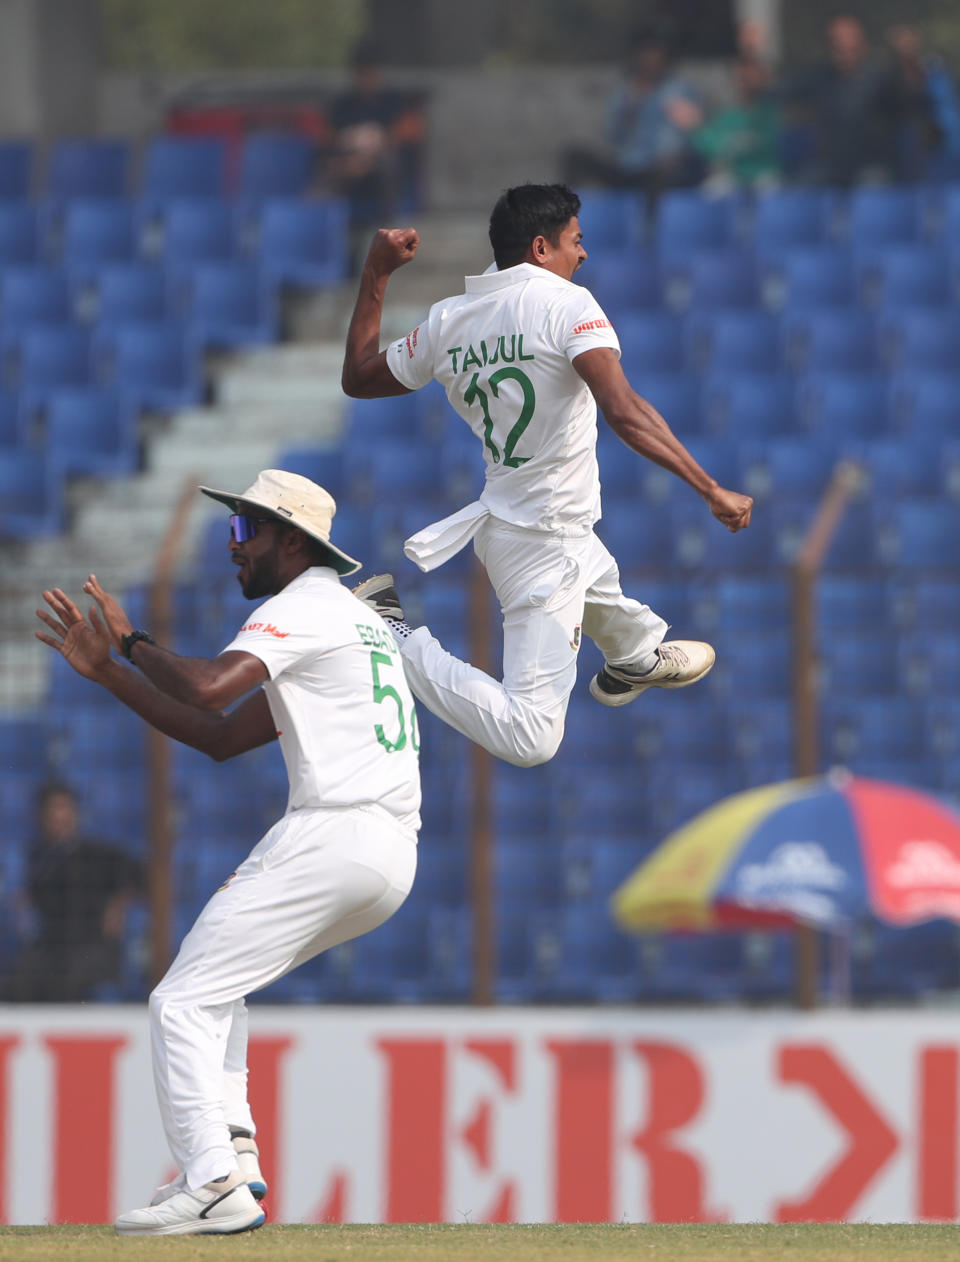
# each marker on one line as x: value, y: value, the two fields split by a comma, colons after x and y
x: 118, y: 624
x: 392, y: 248
x: 85, y: 645
x: 730, y: 507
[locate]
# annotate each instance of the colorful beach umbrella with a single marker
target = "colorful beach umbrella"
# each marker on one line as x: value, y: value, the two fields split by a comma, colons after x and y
x: 823, y: 851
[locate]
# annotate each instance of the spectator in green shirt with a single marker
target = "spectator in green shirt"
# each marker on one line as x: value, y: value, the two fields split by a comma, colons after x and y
x: 741, y: 144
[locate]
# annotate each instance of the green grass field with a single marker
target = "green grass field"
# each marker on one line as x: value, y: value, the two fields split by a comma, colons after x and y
x: 581, y: 1243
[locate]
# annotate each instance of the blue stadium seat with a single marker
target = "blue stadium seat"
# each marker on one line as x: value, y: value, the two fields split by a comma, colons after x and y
x: 830, y: 339
x: 930, y: 664
x: 749, y: 404
x: 196, y: 230
x: 687, y: 221
x: 735, y: 341
x: 386, y: 468
x: 227, y: 307
x: 751, y: 667
x: 34, y: 293
x: 754, y: 603
x: 16, y: 169
x: 393, y: 963
x: 704, y: 967
x: 850, y: 603
x: 183, y: 166
x: 788, y: 467
x: 675, y: 797
x: 763, y: 729
x: 711, y: 280
x: 860, y: 665
x: 31, y: 497
x: 923, y: 405
x: 322, y: 464
x: 691, y: 730
x: 24, y: 745
x: 700, y: 543
x: 303, y: 243
x: 920, y: 534
x: 675, y: 396
x: 87, y: 168
x: 935, y: 602
x: 607, y: 805
x: 622, y: 283
x: 275, y: 164
x: 127, y: 293
x: 814, y: 276
x: 152, y: 366
x: 916, y: 275
x: 859, y: 733
x: 97, y: 232
x: 612, y: 222
x: 88, y: 431
x: 899, y: 466
x: 19, y: 233
x: 637, y: 534
x: 11, y: 431
x: 908, y: 962
x: 921, y: 339
x: 844, y: 405
x: 619, y: 466
x: 46, y: 357
x: 527, y: 873
x: 785, y: 218
x: 397, y: 416
x: 886, y: 216
x: 651, y: 341
x: 596, y: 961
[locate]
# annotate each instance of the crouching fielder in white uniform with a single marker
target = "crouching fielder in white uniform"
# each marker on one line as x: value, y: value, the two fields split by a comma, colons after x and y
x: 325, y: 678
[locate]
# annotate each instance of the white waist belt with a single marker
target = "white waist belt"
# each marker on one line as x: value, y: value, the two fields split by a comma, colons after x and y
x: 436, y: 544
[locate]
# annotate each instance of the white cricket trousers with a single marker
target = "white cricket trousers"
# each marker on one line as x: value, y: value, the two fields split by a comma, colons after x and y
x: 550, y: 589
x: 317, y: 878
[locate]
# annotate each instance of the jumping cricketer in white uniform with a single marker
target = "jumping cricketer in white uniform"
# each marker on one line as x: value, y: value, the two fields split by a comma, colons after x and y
x: 319, y: 671
x: 526, y: 356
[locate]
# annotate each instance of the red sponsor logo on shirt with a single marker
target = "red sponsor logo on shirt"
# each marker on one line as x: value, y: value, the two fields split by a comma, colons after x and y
x: 266, y: 628
x: 411, y: 340
x: 588, y: 325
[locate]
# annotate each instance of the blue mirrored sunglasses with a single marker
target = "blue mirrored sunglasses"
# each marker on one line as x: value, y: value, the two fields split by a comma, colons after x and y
x: 244, y: 527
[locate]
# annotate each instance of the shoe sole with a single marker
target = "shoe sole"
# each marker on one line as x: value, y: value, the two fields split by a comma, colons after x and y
x: 613, y: 699
x: 230, y: 1226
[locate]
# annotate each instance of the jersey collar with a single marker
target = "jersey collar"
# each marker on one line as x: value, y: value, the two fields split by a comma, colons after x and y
x: 519, y: 274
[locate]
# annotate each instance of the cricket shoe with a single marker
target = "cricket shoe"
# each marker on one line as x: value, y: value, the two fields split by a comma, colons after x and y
x: 222, y: 1209
x: 380, y: 594
x: 248, y: 1162
x: 679, y: 663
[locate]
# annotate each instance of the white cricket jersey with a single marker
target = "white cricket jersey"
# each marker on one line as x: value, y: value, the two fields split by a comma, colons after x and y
x: 344, y: 713
x: 503, y: 351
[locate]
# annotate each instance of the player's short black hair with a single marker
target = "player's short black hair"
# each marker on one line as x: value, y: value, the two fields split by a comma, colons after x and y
x: 528, y: 211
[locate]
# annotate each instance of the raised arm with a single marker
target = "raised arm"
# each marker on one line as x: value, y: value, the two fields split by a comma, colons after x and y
x: 86, y: 646
x: 365, y: 373
x: 206, y: 683
x: 645, y: 431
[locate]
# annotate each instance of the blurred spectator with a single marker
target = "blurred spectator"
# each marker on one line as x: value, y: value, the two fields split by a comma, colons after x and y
x: 854, y: 108
x: 741, y: 144
x: 377, y: 145
x: 650, y: 119
x: 79, y: 892
x: 928, y: 139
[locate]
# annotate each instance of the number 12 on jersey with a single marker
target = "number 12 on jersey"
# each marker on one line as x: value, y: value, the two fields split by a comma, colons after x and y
x: 387, y: 692
x: 475, y: 393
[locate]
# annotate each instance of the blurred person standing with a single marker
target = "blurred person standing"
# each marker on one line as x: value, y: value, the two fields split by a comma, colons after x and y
x: 650, y: 119
x: 526, y: 357
x: 928, y: 117
x: 317, y: 670
x: 853, y: 106
x: 740, y: 144
x: 377, y: 142
x: 78, y: 893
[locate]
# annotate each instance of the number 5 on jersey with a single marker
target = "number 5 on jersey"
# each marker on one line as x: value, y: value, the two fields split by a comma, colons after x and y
x: 386, y: 692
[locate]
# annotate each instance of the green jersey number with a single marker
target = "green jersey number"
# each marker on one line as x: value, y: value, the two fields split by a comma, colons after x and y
x: 475, y: 393
x: 386, y: 692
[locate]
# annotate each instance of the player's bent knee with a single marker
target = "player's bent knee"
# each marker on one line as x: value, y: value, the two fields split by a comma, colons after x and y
x: 538, y: 749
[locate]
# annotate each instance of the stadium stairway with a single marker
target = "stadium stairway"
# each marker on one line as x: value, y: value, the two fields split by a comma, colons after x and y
x: 263, y: 401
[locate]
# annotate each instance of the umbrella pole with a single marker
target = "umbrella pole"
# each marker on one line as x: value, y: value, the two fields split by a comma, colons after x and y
x: 844, y: 484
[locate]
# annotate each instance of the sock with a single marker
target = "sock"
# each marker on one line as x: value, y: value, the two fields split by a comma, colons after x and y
x: 240, y: 1132
x: 646, y: 664
x: 400, y: 628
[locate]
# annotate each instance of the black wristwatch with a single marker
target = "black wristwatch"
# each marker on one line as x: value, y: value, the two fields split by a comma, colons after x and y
x: 128, y: 641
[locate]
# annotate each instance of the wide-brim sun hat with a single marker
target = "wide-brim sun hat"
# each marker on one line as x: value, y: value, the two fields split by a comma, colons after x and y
x: 293, y: 499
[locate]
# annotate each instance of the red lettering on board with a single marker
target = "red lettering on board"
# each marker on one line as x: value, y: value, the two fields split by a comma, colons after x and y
x: 416, y: 1125
x: 582, y: 1147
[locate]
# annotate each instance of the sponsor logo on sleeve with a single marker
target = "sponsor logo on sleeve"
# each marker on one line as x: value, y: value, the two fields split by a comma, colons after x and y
x: 411, y: 341
x: 588, y: 326
x: 264, y: 628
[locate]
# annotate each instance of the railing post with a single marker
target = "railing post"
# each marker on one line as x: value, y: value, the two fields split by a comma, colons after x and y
x: 159, y: 779
x: 843, y: 486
